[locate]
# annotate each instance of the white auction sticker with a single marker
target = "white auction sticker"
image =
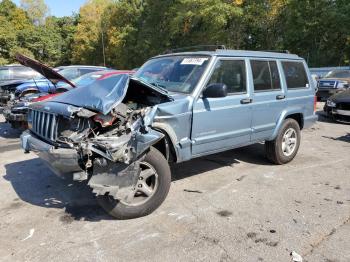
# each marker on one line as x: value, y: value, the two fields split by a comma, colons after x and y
x: 194, y: 61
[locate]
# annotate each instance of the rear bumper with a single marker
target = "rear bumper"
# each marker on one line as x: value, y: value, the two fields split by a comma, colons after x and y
x: 310, y: 120
x: 63, y: 161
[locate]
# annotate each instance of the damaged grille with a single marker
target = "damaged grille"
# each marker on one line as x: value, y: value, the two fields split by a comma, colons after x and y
x: 44, y: 124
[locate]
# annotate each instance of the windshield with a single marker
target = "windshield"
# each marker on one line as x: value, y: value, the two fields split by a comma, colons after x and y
x: 174, y: 73
x: 338, y: 74
x: 69, y: 73
x: 4, y: 74
x: 83, y: 80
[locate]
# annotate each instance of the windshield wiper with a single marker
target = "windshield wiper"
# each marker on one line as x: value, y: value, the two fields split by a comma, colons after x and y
x: 158, y: 85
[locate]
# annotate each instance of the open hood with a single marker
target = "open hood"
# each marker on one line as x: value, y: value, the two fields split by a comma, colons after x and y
x: 46, y: 71
x: 106, y: 93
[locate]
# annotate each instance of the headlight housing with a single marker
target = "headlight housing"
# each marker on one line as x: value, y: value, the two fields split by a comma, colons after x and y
x: 330, y: 103
x: 343, y: 84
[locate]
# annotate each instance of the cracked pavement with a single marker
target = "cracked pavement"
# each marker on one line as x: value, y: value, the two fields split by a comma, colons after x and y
x: 232, y: 206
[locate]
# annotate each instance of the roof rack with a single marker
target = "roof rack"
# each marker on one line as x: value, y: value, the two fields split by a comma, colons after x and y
x: 196, y: 48
x: 276, y: 51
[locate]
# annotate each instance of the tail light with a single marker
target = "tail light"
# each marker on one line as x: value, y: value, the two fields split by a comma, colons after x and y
x: 315, y: 103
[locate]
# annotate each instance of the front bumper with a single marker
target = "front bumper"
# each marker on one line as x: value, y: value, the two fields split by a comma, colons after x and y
x: 62, y: 161
x: 13, y: 117
x: 337, y: 114
x: 4, y: 98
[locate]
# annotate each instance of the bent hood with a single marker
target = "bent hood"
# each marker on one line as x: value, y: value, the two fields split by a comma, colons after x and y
x: 46, y: 71
x: 105, y: 94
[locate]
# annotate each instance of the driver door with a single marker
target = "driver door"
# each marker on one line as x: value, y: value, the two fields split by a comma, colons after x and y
x: 223, y: 123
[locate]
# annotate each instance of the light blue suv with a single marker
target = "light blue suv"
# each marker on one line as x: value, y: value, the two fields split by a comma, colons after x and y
x: 120, y: 132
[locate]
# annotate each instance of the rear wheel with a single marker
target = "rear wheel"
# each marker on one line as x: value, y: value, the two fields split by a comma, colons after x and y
x: 151, y: 190
x: 284, y: 148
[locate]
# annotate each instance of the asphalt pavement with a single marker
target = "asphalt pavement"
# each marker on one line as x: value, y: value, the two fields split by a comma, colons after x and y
x: 232, y: 206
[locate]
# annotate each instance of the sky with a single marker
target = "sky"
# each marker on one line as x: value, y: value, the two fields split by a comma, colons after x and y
x: 61, y: 7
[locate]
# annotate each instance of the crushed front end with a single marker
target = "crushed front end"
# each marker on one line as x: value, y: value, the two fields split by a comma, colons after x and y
x: 102, y: 147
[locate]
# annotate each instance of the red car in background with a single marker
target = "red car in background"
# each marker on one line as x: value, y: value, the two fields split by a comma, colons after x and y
x: 16, y: 111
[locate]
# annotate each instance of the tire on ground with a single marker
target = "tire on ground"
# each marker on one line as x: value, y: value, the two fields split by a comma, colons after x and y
x: 273, y: 148
x: 120, y: 210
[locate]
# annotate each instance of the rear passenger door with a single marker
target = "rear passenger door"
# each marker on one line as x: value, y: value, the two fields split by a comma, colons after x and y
x: 225, y: 122
x: 268, y: 97
x: 300, y: 89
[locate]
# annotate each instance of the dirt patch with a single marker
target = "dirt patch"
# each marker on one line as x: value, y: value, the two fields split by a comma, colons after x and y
x: 224, y: 213
x: 193, y: 191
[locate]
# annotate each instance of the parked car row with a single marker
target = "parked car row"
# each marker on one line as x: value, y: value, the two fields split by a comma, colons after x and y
x: 23, y: 80
x: 334, y: 89
x: 52, y: 83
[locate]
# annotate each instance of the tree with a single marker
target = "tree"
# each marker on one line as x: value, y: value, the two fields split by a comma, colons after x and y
x: 87, y: 47
x: 37, y: 10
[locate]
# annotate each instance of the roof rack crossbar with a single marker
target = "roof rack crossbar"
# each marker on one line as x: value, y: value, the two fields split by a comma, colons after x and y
x: 276, y: 51
x: 196, y: 48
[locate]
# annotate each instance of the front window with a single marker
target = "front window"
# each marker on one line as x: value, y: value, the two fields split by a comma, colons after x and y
x: 174, y: 73
x: 232, y: 73
x: 338, y: 74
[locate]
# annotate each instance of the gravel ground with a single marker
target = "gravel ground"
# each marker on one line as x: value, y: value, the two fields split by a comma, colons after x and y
x: 232, y: 206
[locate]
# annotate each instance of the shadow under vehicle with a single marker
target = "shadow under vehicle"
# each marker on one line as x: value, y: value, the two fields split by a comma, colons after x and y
x: 119, y: 133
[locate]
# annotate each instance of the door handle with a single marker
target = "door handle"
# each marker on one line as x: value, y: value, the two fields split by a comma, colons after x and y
x: 280, y: 97
x: 246, y: 101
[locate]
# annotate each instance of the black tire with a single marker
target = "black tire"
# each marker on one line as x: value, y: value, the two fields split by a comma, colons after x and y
x: 273, y: 148
x: 121, y: 210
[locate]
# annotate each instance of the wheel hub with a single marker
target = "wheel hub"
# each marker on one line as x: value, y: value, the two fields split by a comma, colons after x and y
x: 289, y: 142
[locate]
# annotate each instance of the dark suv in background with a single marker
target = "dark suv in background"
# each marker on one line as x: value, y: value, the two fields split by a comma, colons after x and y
x: 332, y: 83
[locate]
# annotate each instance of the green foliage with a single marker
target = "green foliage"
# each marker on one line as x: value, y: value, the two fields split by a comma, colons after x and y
x: 128, y: 32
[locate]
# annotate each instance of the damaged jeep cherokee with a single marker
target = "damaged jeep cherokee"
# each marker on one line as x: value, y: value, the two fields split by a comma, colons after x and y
x: 120, y: 132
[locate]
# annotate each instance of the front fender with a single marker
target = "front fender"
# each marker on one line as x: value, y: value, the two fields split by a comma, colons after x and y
x: 145, y: 141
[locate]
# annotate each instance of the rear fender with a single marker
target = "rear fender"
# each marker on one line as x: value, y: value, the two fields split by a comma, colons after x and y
x: 283, y: 116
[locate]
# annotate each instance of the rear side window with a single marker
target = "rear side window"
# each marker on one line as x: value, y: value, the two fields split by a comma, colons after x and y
x: 295, y: 74
x: 265, y: 75
x: 231, y: 73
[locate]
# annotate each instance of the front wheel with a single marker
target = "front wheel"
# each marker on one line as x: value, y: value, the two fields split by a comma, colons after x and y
x: 151, y: 190
x: 284, y: 148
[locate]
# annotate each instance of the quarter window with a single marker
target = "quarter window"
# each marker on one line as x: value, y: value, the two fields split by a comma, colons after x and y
x: 265, y: 75
x: 231, y: 73
x: 295, y: 74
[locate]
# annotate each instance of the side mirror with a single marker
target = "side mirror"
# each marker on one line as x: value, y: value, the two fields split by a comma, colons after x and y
x: 215, y: 90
